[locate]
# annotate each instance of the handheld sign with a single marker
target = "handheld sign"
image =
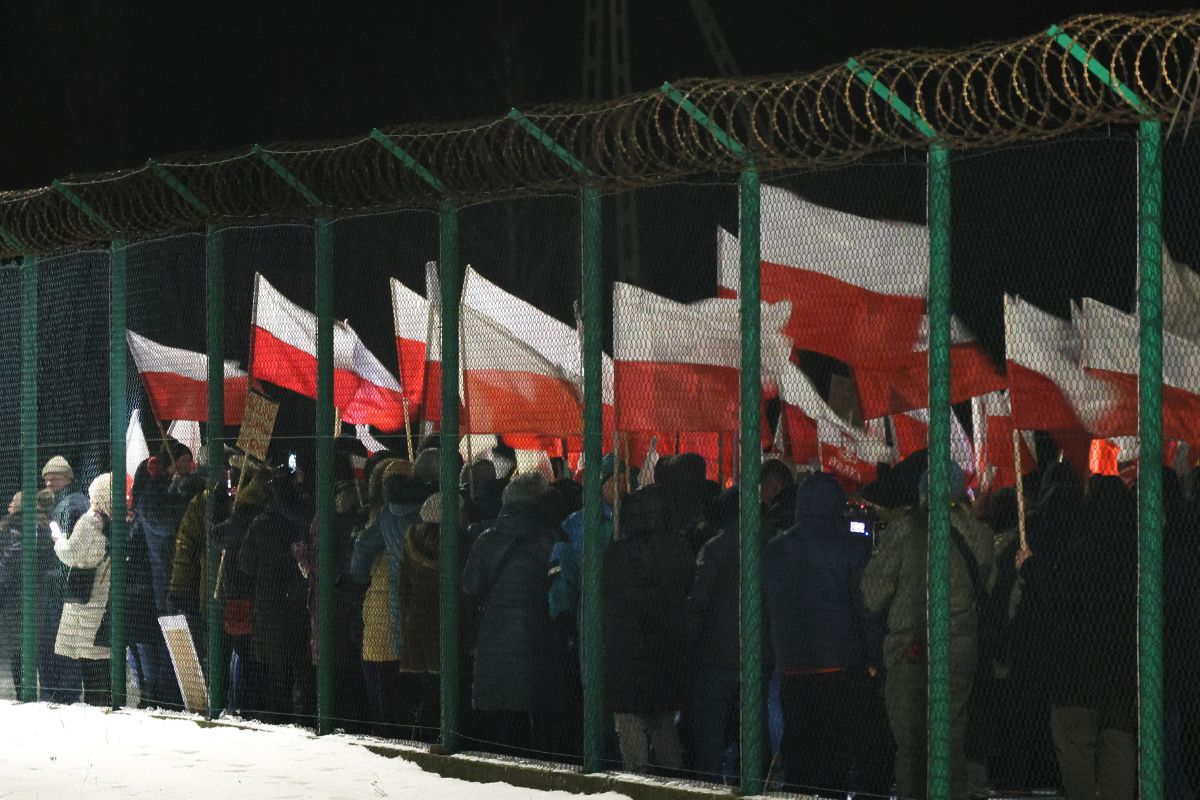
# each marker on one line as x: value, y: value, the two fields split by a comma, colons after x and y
x: 187, y: 664
x: 257, y: 426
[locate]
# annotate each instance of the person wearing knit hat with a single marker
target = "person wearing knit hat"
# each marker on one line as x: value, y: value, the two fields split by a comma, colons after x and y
x: 69, y: 505
x: 81, y: 631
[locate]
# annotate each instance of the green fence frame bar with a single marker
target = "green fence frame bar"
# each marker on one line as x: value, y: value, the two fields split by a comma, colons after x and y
x: 325, y: 437
x: 118, y: 420
x: 939, y: 565
x: 214, y: 290
x: 749, y: 471
x: 450, y: 577
x: 83, y: 206
x: 591, y: 634
x: 1150, y: 497
x: 450, y: 291
x: 29, y: 477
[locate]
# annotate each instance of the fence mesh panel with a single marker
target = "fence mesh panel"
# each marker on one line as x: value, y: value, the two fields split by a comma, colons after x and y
x: 73, y: 361
x: 1044, y: 369
x: 1181, y: 376
x: 11, y: 544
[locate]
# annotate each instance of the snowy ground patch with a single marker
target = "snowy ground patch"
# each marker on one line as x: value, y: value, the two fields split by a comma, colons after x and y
x: 55, y: 752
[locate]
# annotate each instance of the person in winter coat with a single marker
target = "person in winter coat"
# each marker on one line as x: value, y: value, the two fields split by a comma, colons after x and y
x: 235, y: 589
x: 505, y: 575
x: 895, y: 582
x: 420, y: 611
x: 11, y: 564
x: 714, y: 601
x: 279, y: 614
x: 187, y: 588
x: 647, y: 631
x: 823, y: 640
x: 350, y: 694
x: 82, y: 632
x: 159, y: 506
x: 1093, y: 647
x: 60, y: 677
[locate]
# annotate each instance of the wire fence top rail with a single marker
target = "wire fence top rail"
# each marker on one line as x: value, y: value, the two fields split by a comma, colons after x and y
x: 1045, y: 85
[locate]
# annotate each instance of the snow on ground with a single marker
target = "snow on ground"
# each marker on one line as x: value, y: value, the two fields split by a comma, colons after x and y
x: 55, y: 752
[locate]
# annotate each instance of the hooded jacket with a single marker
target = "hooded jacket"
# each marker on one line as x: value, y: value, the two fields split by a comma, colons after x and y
x: 505, y: 573
x: 647, y: 627
x: 811, y: 584
x: 79, y: 630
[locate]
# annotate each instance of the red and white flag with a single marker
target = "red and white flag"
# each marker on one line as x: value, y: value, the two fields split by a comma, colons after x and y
x: 857, y: 286
x: 677, y: 366
x: 410, y: 315
x: 284, y: 352
x: 431, y: 390
x: 187, y: 433
x: 509, y: 388
x: 1181, y: 299
x: 912, y: 434
x: 1111, y: 353
x: 176, y: 381
x: 136, y: 450
x: 904, y: 386
x: 1048, y: 386
x: 814, y: 433
x: 991, y: 418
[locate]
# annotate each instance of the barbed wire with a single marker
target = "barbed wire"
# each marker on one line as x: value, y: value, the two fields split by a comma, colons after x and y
x: 981, y: 97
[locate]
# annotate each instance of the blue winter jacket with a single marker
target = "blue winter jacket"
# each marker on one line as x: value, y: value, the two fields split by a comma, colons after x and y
x: 811, y: 584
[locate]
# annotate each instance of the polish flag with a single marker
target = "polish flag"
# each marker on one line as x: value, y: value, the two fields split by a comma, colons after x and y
x: 814, y: 433
x: 410, y: 315
x: 136, y: 450
x: 284, y: 352
x: 1048, y: 386
x: 1111, y: 353
x: 904, y: 386
x: 176, y: 381
x: 187, y: 433
x: 677, y: 365
x: 991, y: 418
x: 431, y: 389
x: 912, y: 434
x: 857, y: 286
x: 1181, y: 299
x: 508, y: 387
x: 372, y: 445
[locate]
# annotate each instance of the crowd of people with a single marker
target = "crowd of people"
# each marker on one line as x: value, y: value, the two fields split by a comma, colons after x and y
x: 1043, y: 653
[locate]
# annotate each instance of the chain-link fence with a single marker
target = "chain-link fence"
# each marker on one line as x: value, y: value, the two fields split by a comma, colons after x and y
x: 872, y: 478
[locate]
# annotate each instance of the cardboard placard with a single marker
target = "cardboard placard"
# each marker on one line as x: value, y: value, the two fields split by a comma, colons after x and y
x: 258, y: 424
x: 186, y: 662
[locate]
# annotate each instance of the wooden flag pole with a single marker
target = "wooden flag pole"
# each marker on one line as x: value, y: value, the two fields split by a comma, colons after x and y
x: 1020, y: 489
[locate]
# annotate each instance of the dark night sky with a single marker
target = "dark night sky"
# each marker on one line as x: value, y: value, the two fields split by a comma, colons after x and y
x: 109, y: 84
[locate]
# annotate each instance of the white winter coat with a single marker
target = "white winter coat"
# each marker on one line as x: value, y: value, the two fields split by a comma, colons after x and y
x: 86, y: 548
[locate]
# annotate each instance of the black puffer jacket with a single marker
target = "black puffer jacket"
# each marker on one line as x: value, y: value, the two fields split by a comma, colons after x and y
x: 506, y: 575
x: 647, y: 627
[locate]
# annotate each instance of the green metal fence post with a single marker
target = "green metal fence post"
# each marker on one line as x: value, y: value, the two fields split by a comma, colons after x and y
x: 450, y: 289
x: 1150, y: 497
x: 749, y: 234
x: 118, y: 420
x: 214, y: 285
x: 450, y: 280
x: 29, y: 477
x: 325, y: 435
x: 323, y: 267
x: 939, y: 473
x: 939, y: 575
x: 750, y: 507
x: 591, y: 633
